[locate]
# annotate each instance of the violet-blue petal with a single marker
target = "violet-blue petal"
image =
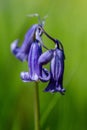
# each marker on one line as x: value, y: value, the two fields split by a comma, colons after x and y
x: 50, y: 87
x: 35, y: 52
x: 22, y: 52
x: 59, y: 88
x: 29, y: 38
x: 45, y: 75
x: 17, y: 51
x: 14, y: 47
x: 45, y: 57
x: 57, y: 64
x: 25, y: 76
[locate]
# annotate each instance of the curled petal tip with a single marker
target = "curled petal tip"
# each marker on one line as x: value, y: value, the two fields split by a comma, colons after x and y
x: 14, y: 45
x: 45, y: 75
x: 62, y: 91
x: 49, y: 90
x: 35, y: 77
x: 17, y: 51
x: 25, y: 76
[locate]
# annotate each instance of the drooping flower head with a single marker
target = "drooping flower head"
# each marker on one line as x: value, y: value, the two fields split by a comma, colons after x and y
x: 56, y: 59
x: 31, y: 51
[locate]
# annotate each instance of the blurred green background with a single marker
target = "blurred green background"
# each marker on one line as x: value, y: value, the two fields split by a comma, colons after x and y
x: 67, y: 21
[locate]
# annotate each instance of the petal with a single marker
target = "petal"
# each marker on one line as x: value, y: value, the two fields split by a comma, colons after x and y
x: 21, y: 56
x: 34, y: 77
x: 25, y: 77
x: 57, y: 65
x: 50, y: 87
x: 60, y: 54
x: 60, y: 89
x: 45, y: 75
x: 61, y: 65
x: 35, y: 52
x: 14, y: 48
x: 45, y: 57
x: 17, y: 51
x: 29, y: 38
x: 22, y: 52
x: 59, y: 85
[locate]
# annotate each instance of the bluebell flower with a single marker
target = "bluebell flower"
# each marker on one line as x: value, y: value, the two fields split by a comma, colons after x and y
x: 36, y: 72
x: 56, y: 59
x: 22, y: 52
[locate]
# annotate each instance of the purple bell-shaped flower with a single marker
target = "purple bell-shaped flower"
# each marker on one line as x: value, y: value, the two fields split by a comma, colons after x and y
x: 35, y: 70
x: 56, y: 59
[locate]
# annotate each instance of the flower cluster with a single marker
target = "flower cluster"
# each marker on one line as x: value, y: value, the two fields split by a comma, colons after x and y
x: 31, y: 51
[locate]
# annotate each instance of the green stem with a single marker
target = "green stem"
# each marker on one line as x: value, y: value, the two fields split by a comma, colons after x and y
x: 36, y: 107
